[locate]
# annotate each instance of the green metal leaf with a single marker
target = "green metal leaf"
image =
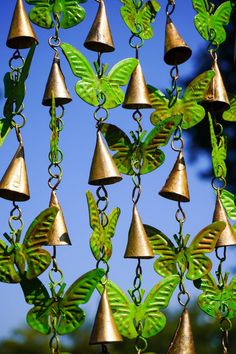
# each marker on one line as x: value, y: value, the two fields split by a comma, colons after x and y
x: 5, y: 128
x: 34, y: 291
x: 54, y: 139
x: 38, y: 317
x: 229, y: 202
x: 230, y: 114
x: 8, y: 273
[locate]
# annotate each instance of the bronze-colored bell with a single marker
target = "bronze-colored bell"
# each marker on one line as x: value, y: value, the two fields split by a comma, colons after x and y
x: 104, y: 329
x: 176, y: 186
x: 183, y: 342
x: 21, y: 34
x: 138, y: 245
x: 176, y: 50
x: 56, y: 83
x: 58, y: 235
x: 14, y: 184
x: 216, y: 98
x: 227, y: 237
x: 137, y: 93
x: 103, y: 169
x: 99, y: 38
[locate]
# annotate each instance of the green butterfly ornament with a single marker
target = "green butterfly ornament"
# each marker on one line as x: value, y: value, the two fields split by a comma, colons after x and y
x: 186, y: 105
x: 229, y: 202
x: 211, y: 21
x: 27, y: 260
x: 191, y: 259
x: 139, y: 20
x: 127, y: 315
x: 101, y: 237
x: 69, y: 12
x: 62, y: 308
x: 147, y: 153
x: 230, y: 114
x: 91, y: 85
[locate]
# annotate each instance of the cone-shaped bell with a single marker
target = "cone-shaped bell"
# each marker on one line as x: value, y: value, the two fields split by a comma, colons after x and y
x: 99, y: 38
x: 104, y: 328
x: 227, y: 237
x: 103, y: 169
x: 14, y: 184
x: 56, y: 83
x: 183, y: 342
x: 137, y: 93
x: 138, y: 245
x: 21, y: 34
x: 176, y: 186
x: 216, y: 98
x: 176, y: 50
x: 58, y: 235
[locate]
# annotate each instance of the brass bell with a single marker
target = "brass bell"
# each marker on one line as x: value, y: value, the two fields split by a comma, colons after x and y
x: 216, y: 98
x: 58, y: 235
x: 176, y: 50
x: 103, y: 169
x: 21, y: 34
x: 176, y: 186
x: 14, y: 184
x: 138, y: 245
x: 104, y: 329
x: 137, y: 93
x: 183, y: 342
x: 99, y: 38
x: 56, y: 83
x: 227, y: 237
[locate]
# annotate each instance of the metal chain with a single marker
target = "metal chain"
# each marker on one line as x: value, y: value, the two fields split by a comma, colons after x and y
x: 177, y: 137
x: 225, y: 327
x: 141, y: 342
x: 136, y: 293
x: 16, y: 216
x: 170, y: 7
x: 173, y: 92
x: 219, y: 273
x: 54, y: 41
x: 104, y: 349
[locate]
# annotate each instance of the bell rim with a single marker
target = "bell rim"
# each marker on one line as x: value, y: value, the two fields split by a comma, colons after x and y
x: 13, y: 195
x: 58, y: 101
x: 174, y: 196
x: 21, y: 42
x: 105, y: 181
x: 98, y: 47
x: 180, y: 58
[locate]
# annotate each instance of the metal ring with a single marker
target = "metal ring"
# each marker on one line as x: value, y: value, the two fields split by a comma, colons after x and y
x: 102, y: 260
x: 141, y: 344
x: 59, y: 160
x: 56, y: 270
x: 221, y: 181
x: 14, y: 124
x: 186, y: 293
x: 57, y: 42
x: 225, y: 324
x: 170, y: 3
x: 136, y: 45
x: 16, y: 57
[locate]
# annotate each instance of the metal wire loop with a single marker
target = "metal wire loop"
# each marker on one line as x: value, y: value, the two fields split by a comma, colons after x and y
x: 104, y: 347
x: 105, y: 263
x: 59, y: 272
x: 218, y: 183
x: 59, y: 160
x: 102, y: 198
x: 136, y: 41
x: 225, y: 324
x: 58, y: 116
x: 15, y: 216
x: 180, y: 215
x: 16, y: 56
x: 18, y: 114
x: 54, y: 42
x: 181, y: 302
x: 170, y: 7
x: 53, y: 174
x: 141, y: 344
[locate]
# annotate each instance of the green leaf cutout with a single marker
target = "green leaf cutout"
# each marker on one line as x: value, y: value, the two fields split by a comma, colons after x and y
x: 229, y: 202
x: 230, y: 114
x: 139, y: 20
x: 210, y: 22
x: 69, y: 316
x: 69, y: 12
x: 28, y: 260
x: 190, y: 258
x: 90, y: 87
x: 219, y: 151
x: 101, y: 237
x: 55, y: 132
x: 147, y: 153
x: 187, y: 107
x: 127, y: 315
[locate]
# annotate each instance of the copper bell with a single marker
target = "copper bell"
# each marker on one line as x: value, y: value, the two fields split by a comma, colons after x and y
x: 176, y: 186
x: 104, y: 329
x: 99, y: 38
x: 138, y: 245
x: 58, y: 235
x: 137, y: 93
x: 216, y: 98
x: 183, y: 342
x: 176, y: 50
x: 103, y: 169
x: 56, y: 83
x: 227, y: 237
x: 21, y: 34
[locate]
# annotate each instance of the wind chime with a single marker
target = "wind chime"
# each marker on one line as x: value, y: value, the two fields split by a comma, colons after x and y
x: 58, y: 312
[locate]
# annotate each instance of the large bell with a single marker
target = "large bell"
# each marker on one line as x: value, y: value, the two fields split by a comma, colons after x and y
x: 21, y: 34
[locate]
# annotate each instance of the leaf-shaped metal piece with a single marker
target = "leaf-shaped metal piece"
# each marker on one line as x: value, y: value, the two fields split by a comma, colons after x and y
x: 34, y: 291
x: 8, y: 273
x: 91, y: 86
x: 187, y: 107
x: 230, y: 114
x: 54, y: 139
x: 229, y: 202
x: 139, y: 20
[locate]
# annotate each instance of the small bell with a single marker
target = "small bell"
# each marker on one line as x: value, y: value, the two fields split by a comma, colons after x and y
x: 137, y: 93
x: 227, y: 237
x: 99, y: 38
x: 176, y: 186
x: 21, y: 34
x: 176, y: 50
x: 58, y: 235
x: 103, y: 169
x: 183, y: 342
x: 14, y: 184
x: 56, y: 83
x: 138, y: 245
x: 216, y: 98
x: 104, y: 329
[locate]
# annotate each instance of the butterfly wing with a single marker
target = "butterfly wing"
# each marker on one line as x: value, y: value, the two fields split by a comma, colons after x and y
x: 219, y: 20
x: 36, y: 236
x: 40, y: 14
x: 230, y: 297
x: 229, y: 202
x: 146, y: 16
x: 202, y: 18
x: 128, y: 13
x: 165, y: 265
x: 8, y: 273
x: 72, y: 13
x: 204, y: 242
x: 160, y: 103
x: 230, y: 114
x: 110, y: 232
x: 207, y: 301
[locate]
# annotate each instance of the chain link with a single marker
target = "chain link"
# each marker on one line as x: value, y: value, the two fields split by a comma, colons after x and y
x: 104, y: 349
x: 170, y: 7
x: 219, y: 273
x: 136, y: 293
x: 16, y: 216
